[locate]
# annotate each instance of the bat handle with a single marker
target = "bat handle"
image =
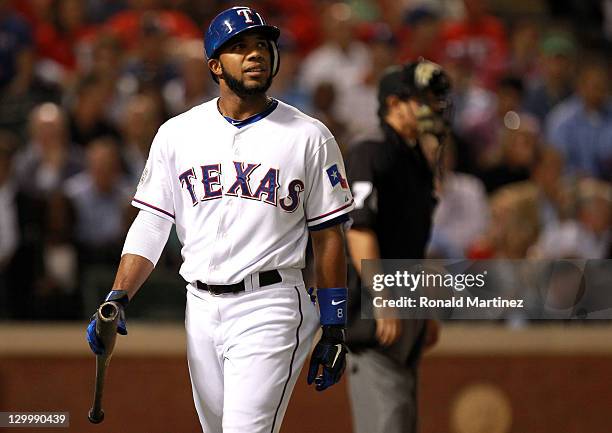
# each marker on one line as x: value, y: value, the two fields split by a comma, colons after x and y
x: 95, y: 415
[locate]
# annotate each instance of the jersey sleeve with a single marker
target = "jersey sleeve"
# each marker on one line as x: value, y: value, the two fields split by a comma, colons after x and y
x: 154, y: 191
x: 328, y: 194
x: 360, y: 170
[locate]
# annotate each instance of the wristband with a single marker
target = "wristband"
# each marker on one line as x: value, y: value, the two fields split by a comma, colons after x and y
x: 332, y: 305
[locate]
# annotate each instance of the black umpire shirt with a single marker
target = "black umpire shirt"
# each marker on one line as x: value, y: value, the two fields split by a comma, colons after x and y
x: 393, y: 188
x: 392, y: 184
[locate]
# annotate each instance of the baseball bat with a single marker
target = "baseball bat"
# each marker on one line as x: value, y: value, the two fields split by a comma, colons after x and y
x: 106, y: 329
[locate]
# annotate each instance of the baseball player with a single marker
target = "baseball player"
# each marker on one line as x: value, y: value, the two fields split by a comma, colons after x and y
x: 246, y: 179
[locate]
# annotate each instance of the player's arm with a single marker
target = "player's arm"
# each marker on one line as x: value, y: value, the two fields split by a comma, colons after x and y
x: 330, y: 266
x: 133, y: 271
x: 143, y: 246
x: 327, y: 203
x: 330, y: 262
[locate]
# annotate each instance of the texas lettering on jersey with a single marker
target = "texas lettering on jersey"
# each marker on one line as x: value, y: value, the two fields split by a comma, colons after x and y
x: 266, y: 191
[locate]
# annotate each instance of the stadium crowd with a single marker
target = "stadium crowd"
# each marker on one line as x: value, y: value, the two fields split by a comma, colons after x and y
x: 84, y: 86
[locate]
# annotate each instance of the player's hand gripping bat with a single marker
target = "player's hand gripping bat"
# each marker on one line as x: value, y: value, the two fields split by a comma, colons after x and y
x: 107, y: 318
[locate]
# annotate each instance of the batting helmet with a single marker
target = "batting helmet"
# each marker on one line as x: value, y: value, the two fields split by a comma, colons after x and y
x: 237, y: 20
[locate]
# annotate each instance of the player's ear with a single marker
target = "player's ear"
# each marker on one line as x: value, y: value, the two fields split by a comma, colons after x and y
x: 215, y: 67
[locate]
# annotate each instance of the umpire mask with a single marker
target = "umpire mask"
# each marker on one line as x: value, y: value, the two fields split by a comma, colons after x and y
x: 430, y: 86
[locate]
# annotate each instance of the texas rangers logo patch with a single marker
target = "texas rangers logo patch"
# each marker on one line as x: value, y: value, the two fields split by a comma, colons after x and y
x: 335, y: 177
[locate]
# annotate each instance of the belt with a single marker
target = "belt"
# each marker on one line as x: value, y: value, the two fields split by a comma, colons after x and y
x: 266, y: 278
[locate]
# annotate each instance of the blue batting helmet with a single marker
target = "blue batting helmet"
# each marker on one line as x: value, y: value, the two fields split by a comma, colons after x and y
x: 234, y: 21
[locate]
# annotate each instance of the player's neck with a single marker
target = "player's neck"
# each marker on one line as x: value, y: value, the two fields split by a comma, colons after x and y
x: 240, y: 108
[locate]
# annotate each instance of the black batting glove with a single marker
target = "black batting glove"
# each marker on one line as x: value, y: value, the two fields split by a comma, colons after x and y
x: 330, y: 355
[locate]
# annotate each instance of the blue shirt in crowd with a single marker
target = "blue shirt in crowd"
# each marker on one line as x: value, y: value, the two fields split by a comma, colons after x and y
x: 583, y: 137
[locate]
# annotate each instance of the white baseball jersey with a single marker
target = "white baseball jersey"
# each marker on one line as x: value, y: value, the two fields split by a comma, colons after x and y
x: 243, y: 195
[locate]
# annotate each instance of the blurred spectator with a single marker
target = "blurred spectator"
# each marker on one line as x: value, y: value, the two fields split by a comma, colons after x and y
x: 99, y: 11
x: 577, y: 127
x: 11, y: 241
x: 285, y: 85
x: 462, y: 213
x: 470, y: 102
x: 9, y: 224
x: 127, y: 25
x: 420, y: 35
x: 35, y: 11
x: 141, y: 120
x: 340, y: 61
x: 589, y: 235
x: 58, y: 40
x: 88, y: 116
x: 194, y: 85
x: 55, y: 295
x: 201, y: 12
x: 100, y: 196
x: 514, y: 225
x: 482, y: 130
x: 19, y: 89
x: 324, y: 99
x: 106, y: 57
x: 49, y: 158
x: 482, y: 38
x: 16, y: 56
x: 524, y: 49
x: 586, y: 18
x: 149, y: 64
x: 302, y: 17
x: 557, y: 52
x: 520, y: 141
x: 364, y: 94
x: 607, y: 24
x: 554, y: 195
x: 22, y: 234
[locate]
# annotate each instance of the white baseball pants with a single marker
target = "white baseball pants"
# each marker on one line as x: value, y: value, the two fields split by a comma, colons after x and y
x: 245, y: 353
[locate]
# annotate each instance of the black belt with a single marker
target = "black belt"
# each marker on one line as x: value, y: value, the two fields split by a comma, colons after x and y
x: 265, y: 279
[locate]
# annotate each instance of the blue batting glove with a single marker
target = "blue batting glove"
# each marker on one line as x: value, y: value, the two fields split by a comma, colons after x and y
x: 96, y: 345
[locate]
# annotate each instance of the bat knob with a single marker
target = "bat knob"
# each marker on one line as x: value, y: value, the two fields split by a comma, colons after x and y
x: 96, y: 418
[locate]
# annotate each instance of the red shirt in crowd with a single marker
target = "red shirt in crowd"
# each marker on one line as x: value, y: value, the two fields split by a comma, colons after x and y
x: 61, y: 47
x: 484, y: 42
x: 127, y: 25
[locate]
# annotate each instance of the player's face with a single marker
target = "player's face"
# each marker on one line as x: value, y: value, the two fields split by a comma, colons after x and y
x: 246, y: 65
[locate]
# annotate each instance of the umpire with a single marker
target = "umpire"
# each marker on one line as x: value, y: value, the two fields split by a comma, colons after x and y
x: 393, y: 186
